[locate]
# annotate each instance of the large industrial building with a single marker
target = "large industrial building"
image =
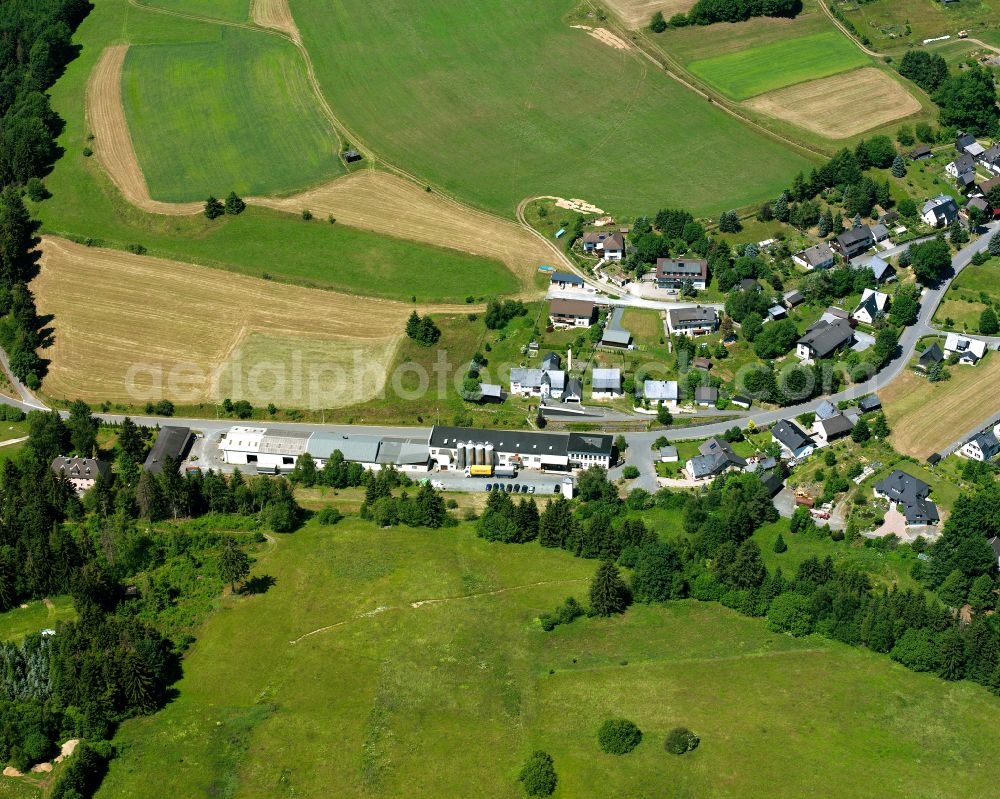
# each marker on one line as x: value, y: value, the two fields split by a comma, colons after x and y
x: 459, y: 448
x: 271, y: 449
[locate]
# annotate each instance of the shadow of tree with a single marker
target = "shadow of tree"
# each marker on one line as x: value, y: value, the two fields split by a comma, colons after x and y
x: 258, y: 584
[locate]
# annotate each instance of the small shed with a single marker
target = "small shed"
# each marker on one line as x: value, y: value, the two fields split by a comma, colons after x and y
x: 668, y: 455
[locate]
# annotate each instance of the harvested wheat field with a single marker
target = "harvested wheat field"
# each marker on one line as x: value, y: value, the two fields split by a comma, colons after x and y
x: 389, y: 204
x: 133, y: 328
x: 275, y: 14
x: 841, y: 105
x: 637, y: 13
x: 112, y: 143
x: 907, y: 398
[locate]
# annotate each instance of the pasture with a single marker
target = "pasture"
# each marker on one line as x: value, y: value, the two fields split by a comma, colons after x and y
x: 418, y: 670
x: 907, y: 398
x: 237, y: 114
x: 133, y: 328
x: 841, y: 105
x: 756, y: 70
x: 499, y: 105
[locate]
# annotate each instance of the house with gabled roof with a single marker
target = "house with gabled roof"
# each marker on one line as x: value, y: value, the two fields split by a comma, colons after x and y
x: 565, y: 280
x: 693, y: 321
x: 672, y: 273
x: 823, y: 339
x: 910, y: 495
x: 882, y: 269
x: 792, y: 439
x: 606, y: 384
x: 714, y: 457
x: 826, y: 409
x: 969, y: 350
x: 572, y: 313
x: 832, y: 428
x: 873, y: 305
x: 607, y: 244
x: 929, y: 357
x: 939, y: 211
x: 983, y: 446
x: 659, y: 392
x: 855, y: 241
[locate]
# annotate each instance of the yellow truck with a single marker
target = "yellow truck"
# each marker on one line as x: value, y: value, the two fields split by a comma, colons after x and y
x: 479, y: 471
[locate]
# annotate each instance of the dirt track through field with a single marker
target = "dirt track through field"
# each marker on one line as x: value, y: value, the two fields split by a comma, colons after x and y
x: 112, y: 143
x: 275, y: 14
x: 115, y: 312
x: 388, y: 204
x: 841, y: 105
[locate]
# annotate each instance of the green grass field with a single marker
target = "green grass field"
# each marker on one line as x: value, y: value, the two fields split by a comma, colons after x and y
x: 511, y: 102
x: 235, y: 114
x: 963, y: 303
x: 19, y: 622
x: 747, y: 73
x: 86, y: 205
x: 229, y: 10
x: 447, y: 698
x: 885, y: 22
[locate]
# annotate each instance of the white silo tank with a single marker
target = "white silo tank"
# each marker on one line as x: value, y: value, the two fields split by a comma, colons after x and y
x: 488, y: 455
x: 480, y: 455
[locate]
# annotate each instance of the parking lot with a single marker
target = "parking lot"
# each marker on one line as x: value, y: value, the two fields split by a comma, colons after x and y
x: 525, y: 483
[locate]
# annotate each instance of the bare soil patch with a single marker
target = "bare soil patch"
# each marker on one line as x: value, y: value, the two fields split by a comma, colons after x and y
x: 275, y: 14
x: 134, y: 328
x: 604, y: 36
x: 385, y: 203
x: 112, y: 143
x: 637, y: 13
x: 841, y: 105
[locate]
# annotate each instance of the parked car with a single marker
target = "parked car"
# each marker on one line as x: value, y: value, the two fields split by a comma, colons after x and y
x: 489, y: 486
x: 531, y: 489
x: 439, y: 485
x: 508, y: 488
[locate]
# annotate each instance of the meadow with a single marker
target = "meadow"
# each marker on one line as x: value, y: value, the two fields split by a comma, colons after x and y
x: 964, y: 301
x: 229, y: 10
x: 511, y: 102
x: 236, y: 114
x: 892, y: 25
x: 418, y: 669
x: 35, y: 616
x: 750, y: 72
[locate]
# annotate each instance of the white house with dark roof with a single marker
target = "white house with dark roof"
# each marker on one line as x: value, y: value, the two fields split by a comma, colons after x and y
x: 672, y: 273
x: 823, y: 339
x: 983, y: 446
x: 565, y: 280
x: 792, y: 439
x: 572, y: 313
x: 831, y: 428
x: 969, y: 350
x: 855, y: 241
x: 697, y: 320
x: 606, y: 384
x: 873, y: 305
x: 610, y: 245
x: 543, y: 383
x: 819, y: 256
x: 714, y: 457
x: 939, y: 211
x: 82, y: 473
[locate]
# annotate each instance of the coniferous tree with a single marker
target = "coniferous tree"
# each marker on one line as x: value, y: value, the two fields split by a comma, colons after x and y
x: 608, y: 592
x: 898, y: 167
x: 234, y: 204
x: 234, y: 564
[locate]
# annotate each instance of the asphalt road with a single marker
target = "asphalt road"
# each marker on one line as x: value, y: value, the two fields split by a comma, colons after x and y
x: 639, y: 450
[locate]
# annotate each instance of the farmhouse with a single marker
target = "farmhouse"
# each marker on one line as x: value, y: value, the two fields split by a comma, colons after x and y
x: 564, y: 280
x: 968, y: 350
x: 610, y: 246
x: 615, y: 336
x: 658, y: 392
x: 273, y: 450
x: 171, y: 442
x: 819, y: 256
x: 715, y: 457
x: 981, y: 447
x: 456, y: 448
x: 793, y: 441
x: 910, y: 494
x: 873, y: 305
x: 929, y: 357
x: 671, y: 273
x: 854, y: 242
x: 572, y: 313
x: 606, y: 384
x: 823, y: 339
x: 694, y: 321
x: 82, y: 473
x: 939, y: 212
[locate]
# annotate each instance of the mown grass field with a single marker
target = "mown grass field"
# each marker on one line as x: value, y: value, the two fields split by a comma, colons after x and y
x: 37, y: 616
x: 511, y: 102
x: 233, y: 114
x: 972, y: 395
x: 230, y: 10
x: 750, y: 72
x: 448, y: 698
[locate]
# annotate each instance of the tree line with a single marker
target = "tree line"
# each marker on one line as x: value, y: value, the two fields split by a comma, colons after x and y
x: 707, y: 12
x: 966, y: 100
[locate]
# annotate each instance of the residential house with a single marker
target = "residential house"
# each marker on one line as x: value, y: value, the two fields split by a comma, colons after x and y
x: 964, y: 163
x: 537, y: 383
x: 920, y: 152
x: 615, y: 336
x: 873, y: 305
x: 983, y: 446
x: 706, y: 396
x: 977, y: 203
x: 991, y: 159
x: 609, y: 245
x: 964, y: 140
x: 749, y: 284
x: 564, y: 280
x: 574, y: 391
x: 940, y: 211
x: 606, y: 384
x: 826, y: 410
x: 671, y: 273
x: 669, y: 455
x: 883, y: 270
x: 793, y: 298
x: 572, y: 313
x: 869, y: 404
x: 692, y: 321
x: 792, y: 439
x: 909, y: 494
x: 831, y: 428
x: 823, y: 339
x: 819, y: 256
x: 855, y: 241
x: 715, y: 457
x: 82, y: 473
x: 929, y: 357
x: 966, y: 182
x: 987, y: 186
x: 879, y: 232
x: 659, y: 392
x: 969, y: 350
